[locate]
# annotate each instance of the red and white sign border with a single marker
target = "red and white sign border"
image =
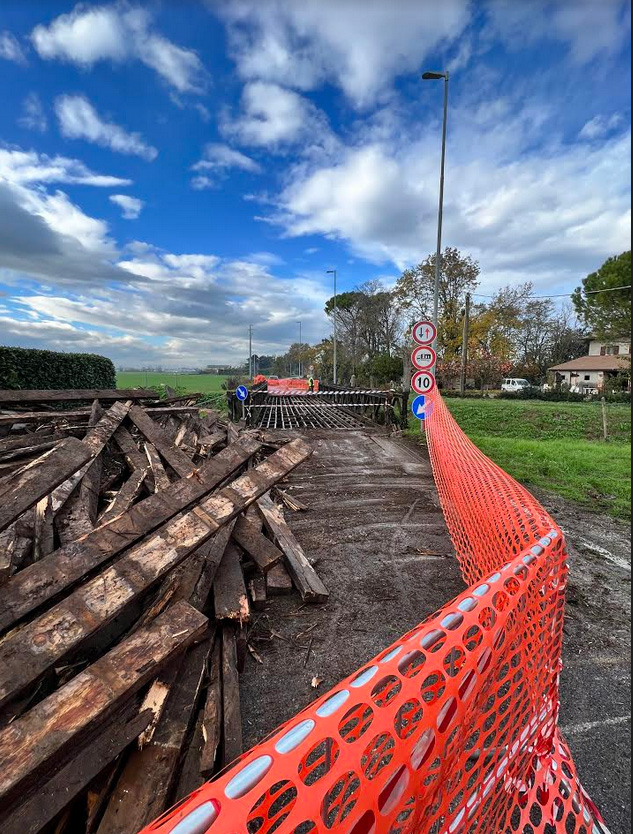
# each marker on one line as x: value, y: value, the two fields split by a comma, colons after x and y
x: 422, y: 375
x: 426, y: 342
x: 418, y: 365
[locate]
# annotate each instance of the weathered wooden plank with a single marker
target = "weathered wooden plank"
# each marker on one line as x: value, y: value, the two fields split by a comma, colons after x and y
x: 212, y: 552
x: 144, y: 789
x: 231, y: 712
x: 44, y: 533
x: 189, y: 777
x: 134, y: 458
x: 54, y: 795
x: 95, y: 440
x: 157, y: 436
x: 159, y: 476
x: 31, y: 441
x: 212, y: 714
x: 90, y: 486
x: 303, y: 574
x: 278, y: 581
x: 125, y: 497
x: 23, y: 489
x: 19, y: 417
x: 38, y: 583
x: 262, y: 551
x: 257, y: 588
x: 71, y: 395
x: 27, y: 652
x: 229, y: 591
x: 14, y: 548
x: 34, y: 741
x: 33, y: 451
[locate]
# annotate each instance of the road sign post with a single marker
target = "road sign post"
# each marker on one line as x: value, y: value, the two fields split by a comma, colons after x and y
x: 241, y: 392
x: 424, y: 358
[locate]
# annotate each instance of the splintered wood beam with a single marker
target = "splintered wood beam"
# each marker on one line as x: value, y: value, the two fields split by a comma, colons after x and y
x: 144, y: 788
x: 45, y: 733
x: 125, y: 497
x: 23, y: 489
x: 157, y: 436
x: 34, y: 586
x: 44, y: 533
x: 212, y: 714
x: 211, y: 552
x: 33, y: 441
x: 257, y: 588
x: 231, y: 712
x: 19, y: 417
x: 28, y: 652
x: 95, y: 441
x: 14, y: 548
x: 72, y: 395
x: 262, y: 551
x: 303, y: 574
x: 54, y: 795
x: 134, y: 458
x: 278, y: 581
x: 229, y: 591
x: 159, y: 476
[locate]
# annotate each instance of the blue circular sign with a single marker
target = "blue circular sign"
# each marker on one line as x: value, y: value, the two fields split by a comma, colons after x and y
x: 421, y: 408
x: 241, y: 393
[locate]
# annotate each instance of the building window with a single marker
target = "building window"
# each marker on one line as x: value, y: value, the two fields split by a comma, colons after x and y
x: 587, y: 378
x: 612, y: 350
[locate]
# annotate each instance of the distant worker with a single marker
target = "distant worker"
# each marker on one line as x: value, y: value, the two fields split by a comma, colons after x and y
x: 311, y: 384
x: 352, y: 381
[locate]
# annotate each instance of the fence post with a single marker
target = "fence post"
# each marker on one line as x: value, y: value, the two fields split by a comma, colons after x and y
x: 605, y: 424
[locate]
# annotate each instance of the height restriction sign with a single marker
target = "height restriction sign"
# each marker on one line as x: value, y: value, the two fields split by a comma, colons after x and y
x: 423, y: 358
x: 424, y: 332
x: 423, y: 382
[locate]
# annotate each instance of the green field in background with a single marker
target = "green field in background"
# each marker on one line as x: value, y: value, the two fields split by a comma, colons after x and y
x: 555, y: 446
x: 188, y: 383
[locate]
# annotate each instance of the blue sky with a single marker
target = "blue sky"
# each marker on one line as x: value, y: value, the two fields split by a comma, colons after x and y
x: 173, y: 172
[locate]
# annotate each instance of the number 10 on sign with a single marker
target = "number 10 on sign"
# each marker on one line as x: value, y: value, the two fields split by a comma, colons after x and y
x: 423, y: 382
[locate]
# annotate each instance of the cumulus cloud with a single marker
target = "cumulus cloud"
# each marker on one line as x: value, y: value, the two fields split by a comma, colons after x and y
x: 78, y: 119
x: 33, y: 116
x: 272, y: 116
x: 130, y: 206
x: 545, y: 214
x: 118, y: 33
x: 359, y: 48
x: 217, y: 160
x: 10, y: 48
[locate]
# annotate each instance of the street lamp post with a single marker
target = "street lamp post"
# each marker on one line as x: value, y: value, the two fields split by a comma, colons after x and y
x: 436, y: 76
x: 333, y: 272
x: 300, y: 350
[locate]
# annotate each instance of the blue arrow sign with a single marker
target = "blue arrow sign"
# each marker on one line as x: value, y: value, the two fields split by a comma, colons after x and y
x: 421, y: 408
x: 241, y: 393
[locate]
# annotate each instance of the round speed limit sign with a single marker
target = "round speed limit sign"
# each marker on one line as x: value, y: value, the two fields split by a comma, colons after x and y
x: 424, y: 332
x: 423, y: 382
x: 423, y: 358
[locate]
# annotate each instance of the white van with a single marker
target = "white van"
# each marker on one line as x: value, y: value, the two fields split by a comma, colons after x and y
x: 515, y: 385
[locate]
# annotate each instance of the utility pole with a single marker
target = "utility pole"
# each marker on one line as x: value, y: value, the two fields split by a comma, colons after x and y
x: 250, y: 352
x: 300, y: 350
x: 462, y: 386
x: 436, y: 76
x: 333, y: 272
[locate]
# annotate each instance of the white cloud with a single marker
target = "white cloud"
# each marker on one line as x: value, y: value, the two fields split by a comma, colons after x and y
x: 26, y: 167
x: 549, y: 214
x: 589, y: 28
x: 218, y: 159
x: 600, y: 126
x: 78, y: 119
x: 118, y: 33
x: 33, y: 116
x: 360, y: 48
x: 272, y: 116
x: 130, y: 206
x: 10, y: 48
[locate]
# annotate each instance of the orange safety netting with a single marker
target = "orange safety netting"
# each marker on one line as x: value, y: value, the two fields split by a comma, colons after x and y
x: 454, y: 728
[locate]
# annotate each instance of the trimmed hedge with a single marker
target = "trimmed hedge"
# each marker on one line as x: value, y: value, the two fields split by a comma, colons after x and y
x: 25, y: 368
x: 555, y: 396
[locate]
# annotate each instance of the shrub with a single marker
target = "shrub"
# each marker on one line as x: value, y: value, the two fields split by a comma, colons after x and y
x: 25, y: 368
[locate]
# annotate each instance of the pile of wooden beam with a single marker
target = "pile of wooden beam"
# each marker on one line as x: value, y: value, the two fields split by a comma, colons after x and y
x: 135, y: 539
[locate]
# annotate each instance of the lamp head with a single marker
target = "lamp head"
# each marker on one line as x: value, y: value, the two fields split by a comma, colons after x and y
x: 433, y: 76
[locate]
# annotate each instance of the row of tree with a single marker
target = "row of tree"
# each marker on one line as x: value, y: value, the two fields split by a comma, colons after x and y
x: 512, y: 333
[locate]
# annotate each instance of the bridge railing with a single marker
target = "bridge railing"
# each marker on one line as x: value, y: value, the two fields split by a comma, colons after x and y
x: 454, y: 728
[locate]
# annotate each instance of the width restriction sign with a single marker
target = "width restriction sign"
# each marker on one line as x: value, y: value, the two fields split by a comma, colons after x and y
x: 424, y: 332
x: 423, y: 358
x: 423, y: 382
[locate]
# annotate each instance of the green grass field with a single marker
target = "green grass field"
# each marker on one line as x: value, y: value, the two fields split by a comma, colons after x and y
x: 556, y: 446
x: 187, y: 383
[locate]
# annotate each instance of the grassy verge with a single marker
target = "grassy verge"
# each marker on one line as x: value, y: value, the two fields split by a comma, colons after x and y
x: 555, y: 446
x: 189, y: 383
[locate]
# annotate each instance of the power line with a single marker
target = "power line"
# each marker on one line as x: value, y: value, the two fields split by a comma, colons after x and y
x: 564, y: 294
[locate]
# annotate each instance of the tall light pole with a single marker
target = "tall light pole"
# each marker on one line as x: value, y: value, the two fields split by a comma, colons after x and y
x: 437, y: 76
x: 250, y: 351
x: 333, y: 272
x: 300, y: 350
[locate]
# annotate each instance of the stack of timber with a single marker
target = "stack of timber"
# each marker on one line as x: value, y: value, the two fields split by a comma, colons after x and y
x: 136, y: 538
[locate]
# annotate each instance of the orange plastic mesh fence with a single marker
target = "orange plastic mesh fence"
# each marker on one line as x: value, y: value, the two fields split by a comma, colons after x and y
x: 454, y: 728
